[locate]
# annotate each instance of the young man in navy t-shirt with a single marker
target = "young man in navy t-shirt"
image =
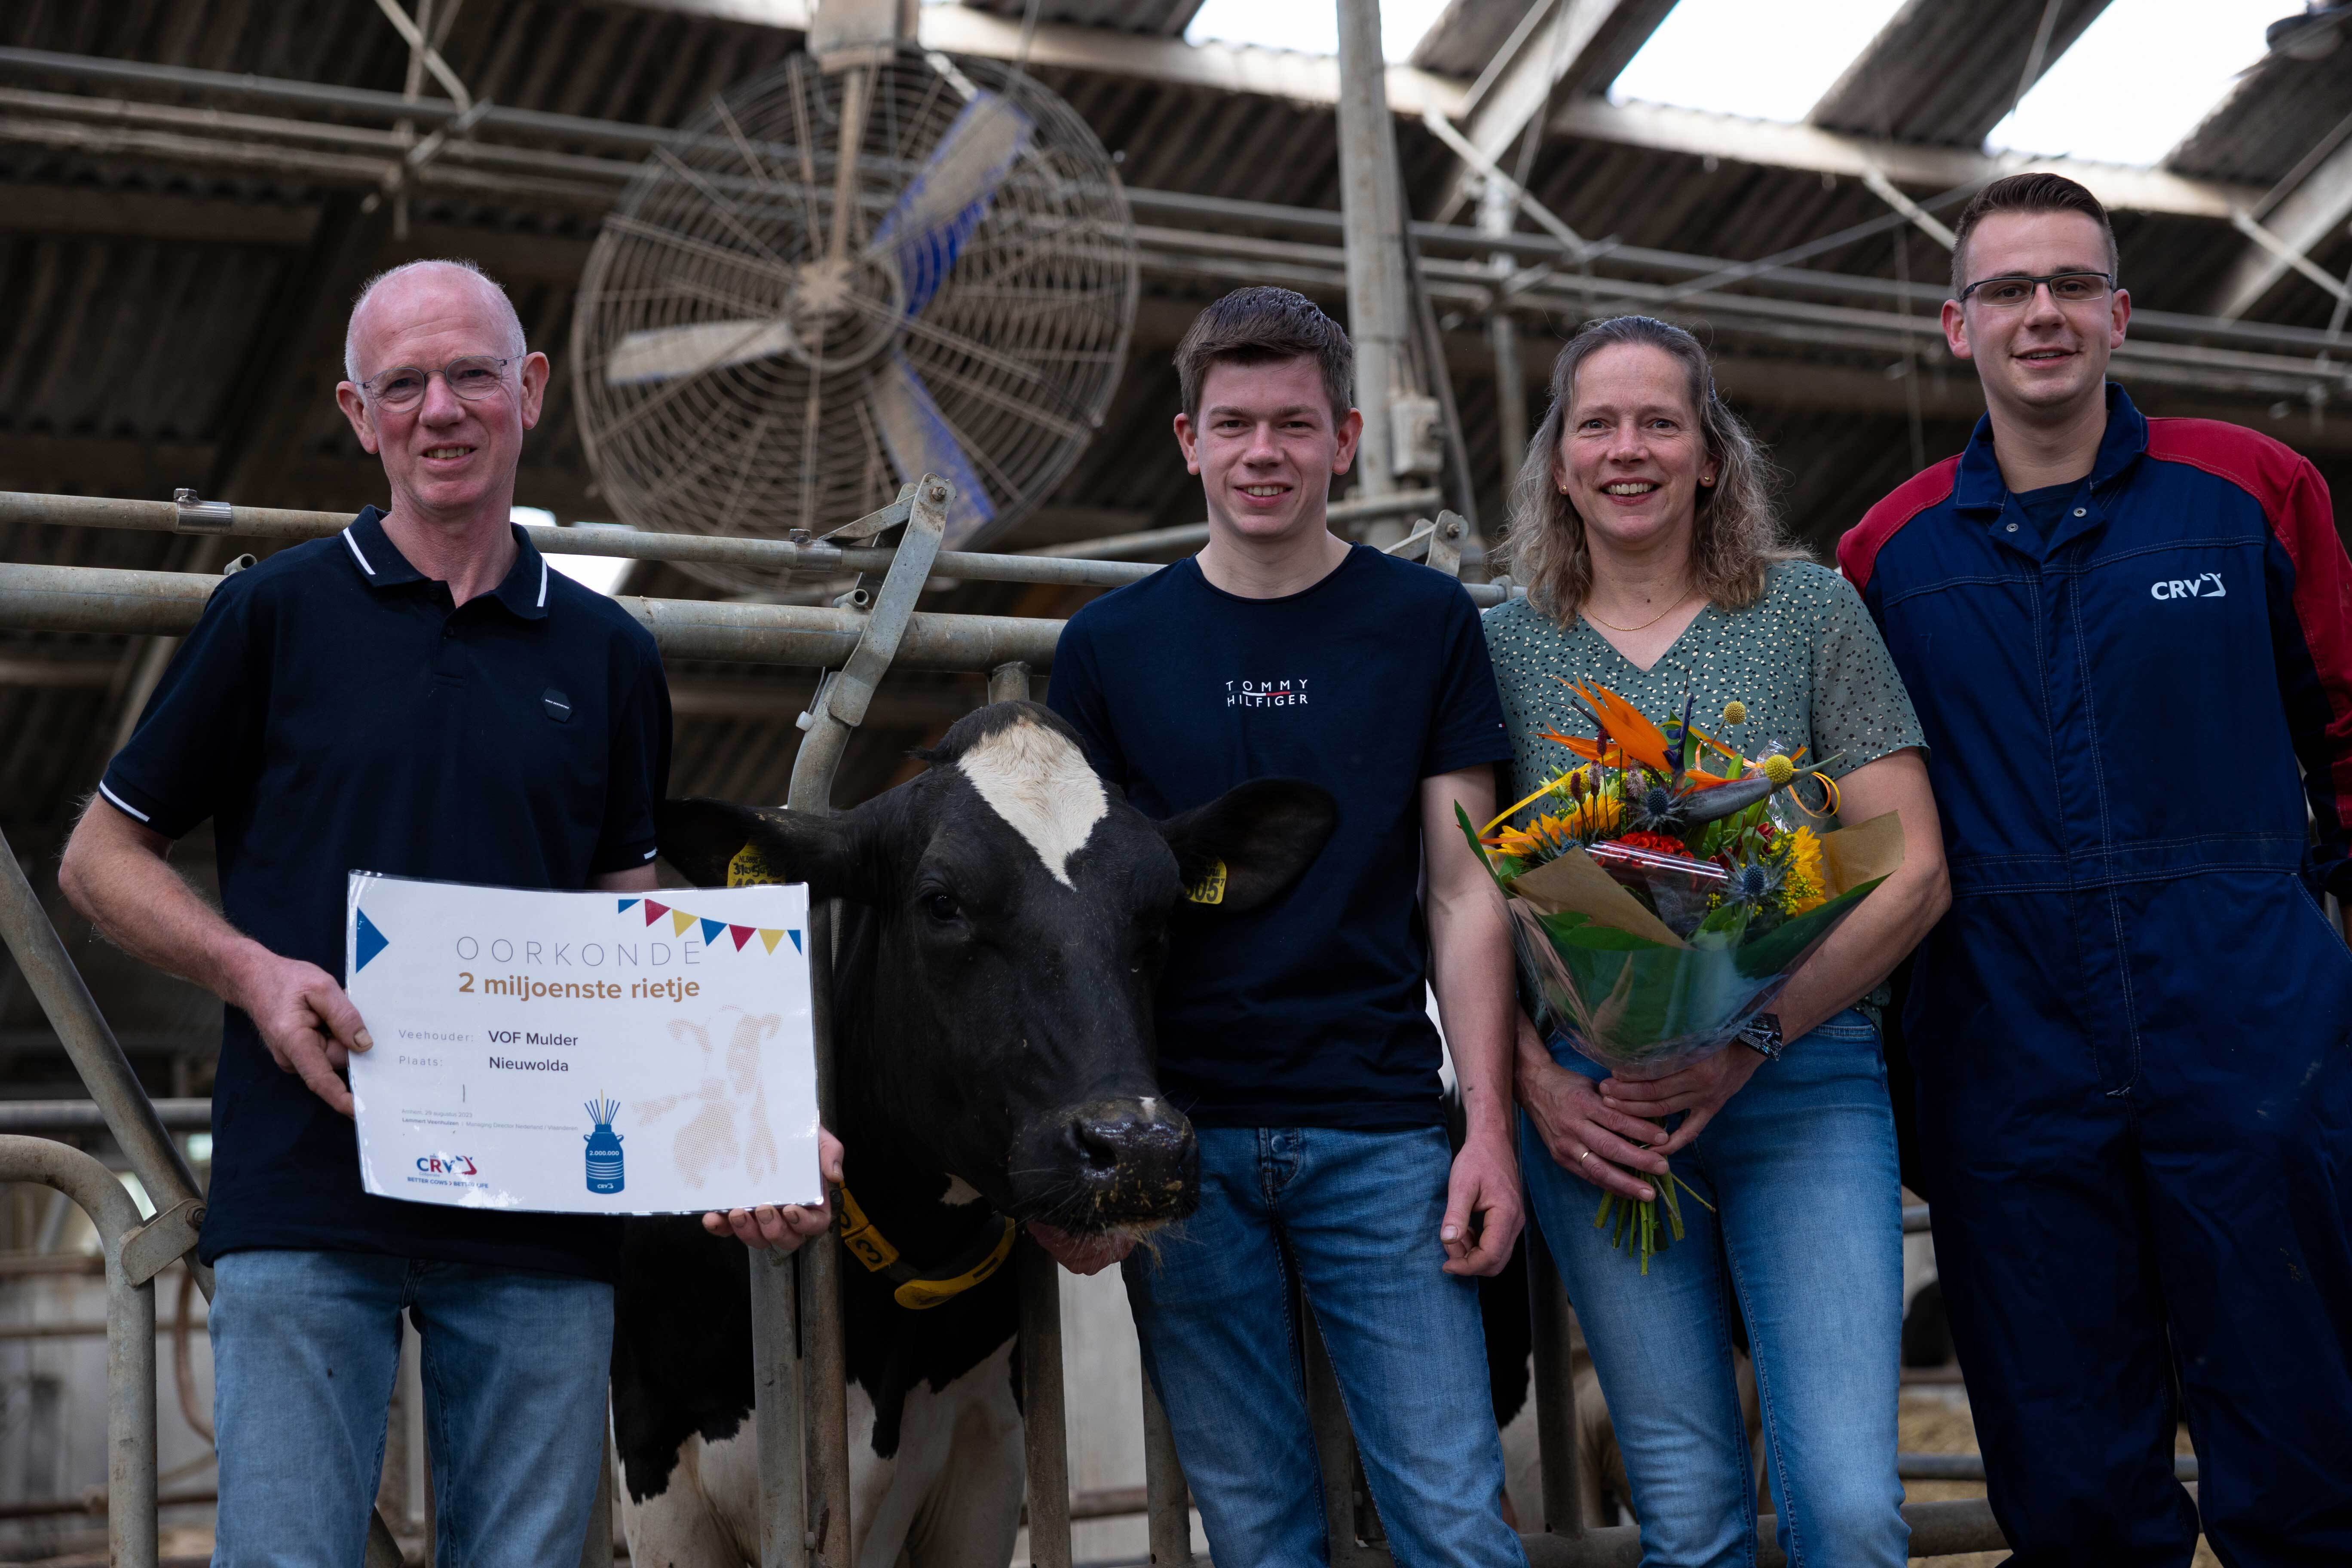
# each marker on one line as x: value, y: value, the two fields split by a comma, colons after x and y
x: 1297, y: 1038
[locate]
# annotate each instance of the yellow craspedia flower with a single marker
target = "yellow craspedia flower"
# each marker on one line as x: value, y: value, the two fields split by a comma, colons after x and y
x: 1735, y: 711
x: 1778, y: 769
x: 1803, y: 887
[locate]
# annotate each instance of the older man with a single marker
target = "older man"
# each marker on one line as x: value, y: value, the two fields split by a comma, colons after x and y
x: 418, y: 695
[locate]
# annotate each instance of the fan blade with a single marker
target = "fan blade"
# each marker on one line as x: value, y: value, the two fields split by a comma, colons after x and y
x: 919, y: 442
x: 666, y: 353
x: 928, y: 225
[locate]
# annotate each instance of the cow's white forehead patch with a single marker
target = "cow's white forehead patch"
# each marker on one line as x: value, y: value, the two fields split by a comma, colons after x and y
x: 1040, y: 784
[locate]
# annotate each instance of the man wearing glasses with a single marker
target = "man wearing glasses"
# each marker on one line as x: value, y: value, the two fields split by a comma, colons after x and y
x: 2131, y: 643
x: 418, y: 695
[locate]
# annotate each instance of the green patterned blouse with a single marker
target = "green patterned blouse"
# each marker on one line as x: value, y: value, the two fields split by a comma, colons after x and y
x: 1805, y: 660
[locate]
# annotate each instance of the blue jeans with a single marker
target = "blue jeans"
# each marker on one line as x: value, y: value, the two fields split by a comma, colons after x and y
x: 1807, y: 1245
x: 1353, y: 1217
x: 305, y: 1349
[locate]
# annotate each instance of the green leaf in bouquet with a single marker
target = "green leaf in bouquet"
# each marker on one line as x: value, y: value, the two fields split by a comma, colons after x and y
x: 1781, y: 946
x: 1726, y: 921
x: 1575, y: 927
x: 1502, y: 879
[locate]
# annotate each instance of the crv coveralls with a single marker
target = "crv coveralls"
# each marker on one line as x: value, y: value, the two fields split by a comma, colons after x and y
x: 2133, y: 1032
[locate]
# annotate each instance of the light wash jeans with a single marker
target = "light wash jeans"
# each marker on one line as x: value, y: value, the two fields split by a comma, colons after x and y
x: 1807, y: 1244
x: 1354, y: 1215
x: 305, y: 1349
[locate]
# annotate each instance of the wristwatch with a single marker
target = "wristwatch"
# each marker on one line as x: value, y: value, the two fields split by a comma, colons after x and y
x: 1761, y: 1034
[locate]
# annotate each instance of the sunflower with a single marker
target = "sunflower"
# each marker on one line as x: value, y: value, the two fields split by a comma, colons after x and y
x: 1803, y: 861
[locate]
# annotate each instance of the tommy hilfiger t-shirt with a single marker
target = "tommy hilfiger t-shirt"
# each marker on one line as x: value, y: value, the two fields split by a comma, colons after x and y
x: 1309, y: 1012
x: 332, y: 712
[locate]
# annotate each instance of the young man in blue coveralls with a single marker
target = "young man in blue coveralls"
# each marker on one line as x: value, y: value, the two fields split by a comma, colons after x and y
x: 2133, y: 1033
x: 1297, y: 1038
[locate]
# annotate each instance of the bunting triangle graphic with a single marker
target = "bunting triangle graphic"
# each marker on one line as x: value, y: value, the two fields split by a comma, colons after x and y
x: 741, y: 935
x: 796, y: 941
x: 678, y: 921
x: 711, y: 929
x: 624, y: 906
x: 655, y: 911
x: 770, y: 938
x: 370, y: 941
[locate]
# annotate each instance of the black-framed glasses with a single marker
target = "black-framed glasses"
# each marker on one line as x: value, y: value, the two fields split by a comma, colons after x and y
x: 471, y: 377
x: 2010, y: 290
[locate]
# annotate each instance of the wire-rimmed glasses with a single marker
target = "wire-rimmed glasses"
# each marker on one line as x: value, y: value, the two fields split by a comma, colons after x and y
x: 471, y: 377
x: 2010, y: 290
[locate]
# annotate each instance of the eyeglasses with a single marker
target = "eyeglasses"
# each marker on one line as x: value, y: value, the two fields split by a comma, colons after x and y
x: 2008, y: 292
x: 471, y: 377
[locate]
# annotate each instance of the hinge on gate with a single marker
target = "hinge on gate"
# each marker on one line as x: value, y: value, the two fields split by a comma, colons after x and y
x: 200, y: 516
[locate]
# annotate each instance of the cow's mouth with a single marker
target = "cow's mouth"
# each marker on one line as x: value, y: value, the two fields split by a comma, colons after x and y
x: 1121, y: 1165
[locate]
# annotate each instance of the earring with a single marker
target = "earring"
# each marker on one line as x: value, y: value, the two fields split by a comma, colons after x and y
x: 1707, y: 483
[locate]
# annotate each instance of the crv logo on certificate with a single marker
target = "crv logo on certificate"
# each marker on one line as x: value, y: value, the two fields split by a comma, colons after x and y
x: 586, y: 1053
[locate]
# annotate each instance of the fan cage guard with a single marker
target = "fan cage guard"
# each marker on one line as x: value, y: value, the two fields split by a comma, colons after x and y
x: 1020, y: 349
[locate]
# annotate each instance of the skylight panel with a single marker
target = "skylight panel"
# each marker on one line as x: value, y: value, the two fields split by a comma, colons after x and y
x: 1765, y: 59
x: 1309, y: 26
x: 2139, y: 79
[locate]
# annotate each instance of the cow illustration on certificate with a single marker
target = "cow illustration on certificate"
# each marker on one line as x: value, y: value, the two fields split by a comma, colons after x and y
x: 585, y: 1053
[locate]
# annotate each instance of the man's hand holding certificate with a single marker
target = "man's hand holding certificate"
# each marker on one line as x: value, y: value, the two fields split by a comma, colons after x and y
x: 589, y: 1053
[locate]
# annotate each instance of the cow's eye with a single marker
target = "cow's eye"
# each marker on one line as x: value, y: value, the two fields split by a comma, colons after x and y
x: 941, y: 907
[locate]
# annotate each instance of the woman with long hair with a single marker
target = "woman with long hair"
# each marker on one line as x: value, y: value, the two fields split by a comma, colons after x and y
x: 1642, y: 527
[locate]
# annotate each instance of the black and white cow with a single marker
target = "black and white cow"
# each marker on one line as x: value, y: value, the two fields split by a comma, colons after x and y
x: 1002, y: 929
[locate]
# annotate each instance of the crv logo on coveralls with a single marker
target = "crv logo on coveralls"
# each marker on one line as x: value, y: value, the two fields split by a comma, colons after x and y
x: 2190, y: 588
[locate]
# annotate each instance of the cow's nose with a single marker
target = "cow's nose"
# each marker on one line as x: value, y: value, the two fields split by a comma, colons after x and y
x: 1121, y: 1161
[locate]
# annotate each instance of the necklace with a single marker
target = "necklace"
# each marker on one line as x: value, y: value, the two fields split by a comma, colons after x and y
x: 1645, y: 625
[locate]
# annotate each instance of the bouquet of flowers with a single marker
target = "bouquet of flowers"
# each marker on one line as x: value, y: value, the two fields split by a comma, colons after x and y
x: 1658, y: 906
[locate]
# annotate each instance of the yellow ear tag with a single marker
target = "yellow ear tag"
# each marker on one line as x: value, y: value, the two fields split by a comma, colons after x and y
x: 748, y: 869
x: 1210, y: 888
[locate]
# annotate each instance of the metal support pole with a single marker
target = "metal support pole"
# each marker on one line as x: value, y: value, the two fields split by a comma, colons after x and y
x: 1377, y: 319
x: 129, y: 1337
x: 1351, y: 1524
x: 1554, y: 1390
x: 1495, y: 212
x: 1044, y: 1417
x: 1167, y: 1500
x: 776, y: 1371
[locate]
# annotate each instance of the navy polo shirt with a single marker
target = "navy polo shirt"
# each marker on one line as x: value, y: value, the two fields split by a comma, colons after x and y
x: 332, y: 712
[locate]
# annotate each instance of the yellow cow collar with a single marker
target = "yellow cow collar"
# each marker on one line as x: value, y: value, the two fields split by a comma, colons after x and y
x: 917, y: 1291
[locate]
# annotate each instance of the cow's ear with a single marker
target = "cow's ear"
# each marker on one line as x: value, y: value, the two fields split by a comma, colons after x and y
x: 1243, y: 848
x: 719, y: 843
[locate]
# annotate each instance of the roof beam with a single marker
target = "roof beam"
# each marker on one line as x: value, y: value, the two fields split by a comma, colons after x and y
x: 2312, y: 212
x: 1807, y: 148
x: 1562, y: 47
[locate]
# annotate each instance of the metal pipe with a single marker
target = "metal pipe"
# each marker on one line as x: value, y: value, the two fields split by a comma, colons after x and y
x: 53, y: 1116
x: 131, y: 1330
x: 1496, y: 212
x: 93, y: 599
x: 1044, y: 1410
x: 1070, y: 565
x: 90, y: 1044
x: 1151, y: 541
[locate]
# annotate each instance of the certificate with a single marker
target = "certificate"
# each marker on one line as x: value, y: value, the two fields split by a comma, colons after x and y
x: 584, y: 1052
